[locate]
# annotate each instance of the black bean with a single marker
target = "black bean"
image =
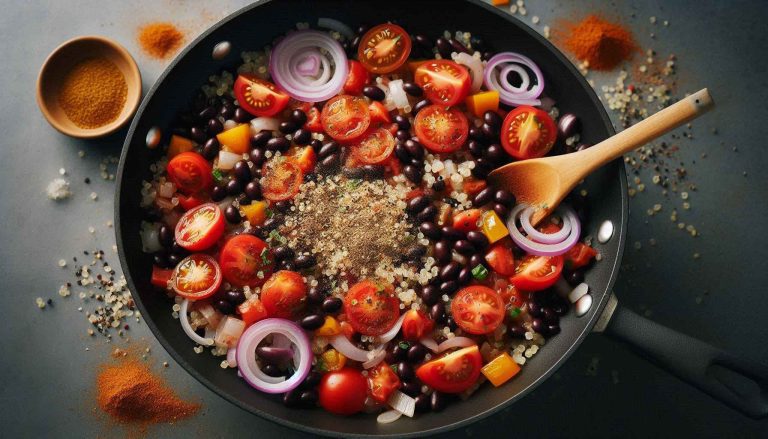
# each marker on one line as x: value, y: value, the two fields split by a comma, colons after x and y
x: 242, y: 171
x: 430, y: 295
x: 402, y: 135
x: 478, y: 240
x: 451, y: 233
x: 415, y: 252
x: 427, y: 214
x: 501, y: 210
x: 166, y: 236
x: 328, y: 149
x: 312, y: 322
x: 198, y: 134
x: 534, y: 309
x: 305, y: 261
x: 442, y: 251
x: 560, y: 306
x: 424, y: 41
x: 308, y: 398
x: 224, y: 307
x: 465, y: 275
x: 278, y: 144
x: 539, y: 326
x: 258, y: 157
x: 312, y: 379
x: 400, y: 353
x: 430, y: 230
x: 316, y: 295
x: 550, y: 316
x: 232, y: 214
x: 438, y: 401
x: 274, y: 371
x: 253, y: 190
x: 517, y: 331
x: 476, y: 133
x: 214, y: 126
x: 444, y: 47
x: 373, y: 172
x: 417, y: 204
x: 330, y: 162
x: 218, y: 193
x: 413, y: 173
x: 402, y: 154
x: 491, y: 133
x: 450, y: 271
x: 567, y: 125
x: 236, y: 297
x: 420, y: 106
x: 302, y: 136
x: 174, y: 259
x: 211, y: 148
x: 575, y: 277
x: 414, y: 149
x: 483, y: 197
x: 476, y: 148
x: 553, y: 329
x: 332, y: 304
x: 243, y: 200
x: 362, y: 29
x: 288, y: 126
x: 374, y: 93
x: 271, y: 223
x: 283, y: 206
x: 402, y: 122
x: 291, y: 398
x: 458, y: 46
x: 161, y: 259
x: 495, y: 153
x: 287, y: 265
x: 207, y: 113
x: 260, y: 139
x: 437, y: 312
x: 439, y: 185
x: 411, y: 388
x: 283, y: 252
x: 298, y: 117
x: 405, y: 371
x: 179, y: 250
x: 227, y: 111
x: 582, y: 146
x: 354, y: 173
x: 413, y: 90
x: 492, y: 118
x: 475, y: 260
x: 504, y: 197
x: 234, y: 187
x: 449, y: 287
x: 242, y: 116
x: 422, y: 403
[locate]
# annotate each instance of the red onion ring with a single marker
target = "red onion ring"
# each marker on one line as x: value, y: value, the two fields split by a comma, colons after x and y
x: 455, y: 342
x: 309, y: 65
x: 544, y: 238
x: 475, y: 67
x: 232, y: 357
x: 349, y: 350
x: 378, y: 357
x: 537, y: 248
x: 389, y: 335
x: 289, y: 53
x: 430, y: 344
x: 495, y: 78
x: 188, y: 328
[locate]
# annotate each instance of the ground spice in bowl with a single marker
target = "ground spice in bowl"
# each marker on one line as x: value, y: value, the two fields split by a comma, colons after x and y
x: 601, y: 44
x: 159, y: 40
x: 93, y: 93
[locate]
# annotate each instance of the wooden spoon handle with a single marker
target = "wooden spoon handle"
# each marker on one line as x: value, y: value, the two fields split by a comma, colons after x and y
x: 642, y: 132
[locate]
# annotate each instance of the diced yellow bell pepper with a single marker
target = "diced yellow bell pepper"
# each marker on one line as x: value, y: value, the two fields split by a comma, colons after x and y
x: 500, y: 369
x: 237, y: 139
x: 493, y: 227
x: 330, y: 328
x: 178, y: 145
x: 332, y: 360
x: 479, y: 103
x: 255, y: 213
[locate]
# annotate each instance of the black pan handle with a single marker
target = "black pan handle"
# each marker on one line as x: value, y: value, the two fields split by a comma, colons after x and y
x: 738, y: 382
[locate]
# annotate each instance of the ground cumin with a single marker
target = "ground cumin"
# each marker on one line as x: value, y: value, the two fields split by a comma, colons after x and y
x: 93, y: 93
x: 601, y: 44
x: 159, y: 40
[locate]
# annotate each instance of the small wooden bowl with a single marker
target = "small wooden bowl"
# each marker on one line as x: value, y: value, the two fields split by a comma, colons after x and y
x: 67, y: 55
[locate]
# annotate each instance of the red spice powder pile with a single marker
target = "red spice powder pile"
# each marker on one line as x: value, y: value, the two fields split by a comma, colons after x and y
x: 601, y: 44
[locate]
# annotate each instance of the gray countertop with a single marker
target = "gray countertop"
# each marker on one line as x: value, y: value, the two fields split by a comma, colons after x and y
x: 49, y: 362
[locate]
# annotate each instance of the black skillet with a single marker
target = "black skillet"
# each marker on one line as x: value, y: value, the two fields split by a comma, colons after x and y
x: 714, y: 371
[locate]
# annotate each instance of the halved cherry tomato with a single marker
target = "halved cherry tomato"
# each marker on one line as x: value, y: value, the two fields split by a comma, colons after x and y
x: 252, y: 310
x: 197, y: 277
x: 511, y: 295
x: 444, y: 82
x: 537, y: 272
x: 243, y: 258
x: 580, y: 255
x: 477, y: 309
x: 416, y: 325
x: 375, y: 148
x: 345, y: 118
x: 528, y: 133
x: 441, y: 129
x: 454, y: 372
x: 188, y: 202
x: 356, y: 79
x: 371, y: 308
x: 379, y: 113
x: 331, y: 361
x: 467, y: 220
x: 282, y: 179
x: 343, y: 392
x: 284, y: 294
x: 259, y: 97
x: 384, y: 48
x: 382, y: 381
x: 501, y: 259
x: 313, y: 121
x: 306, y: 158
x: 161, y: 276
x: 190, y: 172
x: 200, y: 227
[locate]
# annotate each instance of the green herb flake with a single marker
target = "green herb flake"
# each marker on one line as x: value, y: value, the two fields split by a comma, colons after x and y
x: 404, y: 345
x: 269, y: 213
x: 354, y: 184
x: 276, y: 236
x: 218, y: 175
x: 480, y: 272
x: 514, y: 312
x: 264, y: 256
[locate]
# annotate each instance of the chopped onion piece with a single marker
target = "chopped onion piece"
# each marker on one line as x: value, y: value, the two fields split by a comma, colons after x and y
x: 184, y: 318
x: 260, y: 124
x: 150, y: 237
x: 232, y: 357
x: 430, y: 344
x: 229, y: 331
x: 475, y: 66
x: 396, y: 95
x: 388, y: 417
x: 455, y: 342
x: 402, y: 403
x: 166, y: 189
x: 392, y: 333
x: 378, y: 357
x: 212, y: 316
x: 227, y: 160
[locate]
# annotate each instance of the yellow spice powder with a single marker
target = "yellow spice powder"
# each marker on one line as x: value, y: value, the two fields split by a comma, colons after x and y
x: 93, y: 93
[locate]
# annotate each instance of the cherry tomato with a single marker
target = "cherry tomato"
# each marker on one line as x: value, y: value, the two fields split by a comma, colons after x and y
x: 259, y: 97
x: 580, y: 255
x: 375, y: 148
x: 313, y: 121
x: 454, y: 372
x: 537, y: 272
x: 284, y: 294
x: 379, y: 113
x: 306, y: 158
x: 444, y: 82
x: 200, y: 227
x: 371, y: 308
x: 282, y: 179
x: 345, y: 118
x: 416, y: 325
x: 528, y: 133
x: 190, y: 172
x: 356, y: 79
x: 242, y: 258
x: 252, y: 310
x: 382, y: 381
x: 197, y: 277
x: 467, y: 220
x: 441, y: 129
x: 477, y: 309
x: 501, y: 259
x: 384, y: 48
x: 188, y: 202
x: 161, y: 276
x: 343, y: 392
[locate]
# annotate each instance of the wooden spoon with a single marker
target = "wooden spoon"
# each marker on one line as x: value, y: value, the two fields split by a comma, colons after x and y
x: 544, y: 182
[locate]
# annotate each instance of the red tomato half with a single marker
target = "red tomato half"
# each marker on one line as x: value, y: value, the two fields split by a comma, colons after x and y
x: 416, y: 325
x: 477, y: 309
x: 537, y: 272
x: 452, y: 373
x: 371, y: 308
x: 343, y: 392
x: 242, y: 258
x: 345, y: 118
x: 284, y: 294
x: 259, y: 97
x: 282, y: 179
x: 200, y: 227
x: 356, y: 79
x: 382, y: 381
x: 444, y: 82
x: 580, y: 255
x: 190, y: 172
x: 384, y: 48
x: 528, y: 133
x: 197, y: 277
x: 501, y: 259
x: 441, y: 129
x: 375, y: 148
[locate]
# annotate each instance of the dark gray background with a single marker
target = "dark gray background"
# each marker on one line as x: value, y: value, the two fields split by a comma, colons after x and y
x: 604, y: 390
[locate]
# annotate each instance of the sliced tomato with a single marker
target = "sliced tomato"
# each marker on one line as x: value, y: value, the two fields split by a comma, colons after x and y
x: 441, y: 129
x: 343, y: 392
x: 306, y: 158
x: 189, y: 202
x: 384, y: 48
x: 197, y: 277
x: 379, y: 113
x: 537, y: 272
x: 580, y: 255
x: 313, y: 121
x: 454, y: 372
x: 416, y: 325
x: 245, y: 260
x: 356, y: 79
x: 371, y: 308
x: 200, y: 228
x: 161, y: 276
x: 284, y: 294
x: 501, y: 259
x: 375, y: 148
x: 512, y: 296
x: 190, y: 172
x: 444, y: 82
x: 282, y: 179
x: 467, y: 220
x: 382, y: 382
x: 528, y: 133
x: 252, y: 310
x: 345, y: 118
x: 259, y: 97
x: 477, y: 309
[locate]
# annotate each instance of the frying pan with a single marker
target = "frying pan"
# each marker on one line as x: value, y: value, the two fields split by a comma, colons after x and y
x: 740, y: 383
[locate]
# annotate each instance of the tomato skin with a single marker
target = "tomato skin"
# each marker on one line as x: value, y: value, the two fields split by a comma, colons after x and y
x: 467, y: 220
x: 580, y: 255
x: 345, y: 118
x: 241, y: 259
x: 193, y: 287
x: 501, y: 259
x: 189, y: 232
x: 374, y: 148
x: 259, y: 97
x: 441, y: 130
x: 343, y: 392
x: 444, y: 82
x: 454, y: 372
x: 472, y: 186
x: 536, y: 273
x: 384, y: 48
x: 284, y: 294
x: 382, y: 382
x: 416, y: 325
x: 371, y: 308
x: 306, y: 159
x: 379, y: 113
x: 188, y: 202
x: 313, y: 121
x: 252, y: 310
x: 477, y: 309
x: 356, y: 79
x: 190, y: 172
x: 528, y: 133
x: 161, y: 276
x: 282, y: 179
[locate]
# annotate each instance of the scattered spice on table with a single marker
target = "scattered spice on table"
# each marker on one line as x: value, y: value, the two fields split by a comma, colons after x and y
x: 601, y: 44
x: 160, y: 40
x: 93, y: 93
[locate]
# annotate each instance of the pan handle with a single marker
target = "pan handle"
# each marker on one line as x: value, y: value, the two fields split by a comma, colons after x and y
x: 738, y: 382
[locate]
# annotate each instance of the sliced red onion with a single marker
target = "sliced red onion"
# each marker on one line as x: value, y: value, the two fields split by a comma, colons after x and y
x: 378, y: 357
x: 402, y: 403
x: 392, y: 333
x: 296, y: 47
x: 389, y: 416
x: 349, y: 350
x: 430, y: 344
x: 537, y: 248
x: 495, y: 78
x: 455, y: 342
x: 338, y: 26
x: 474, y: 65
x: 260, y: 124
x: 246, y: 355
x: 309, y: 65
x: 281, y: 341
x: 188, y: 328
x: 232, y: 357
x: 544, y: 238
